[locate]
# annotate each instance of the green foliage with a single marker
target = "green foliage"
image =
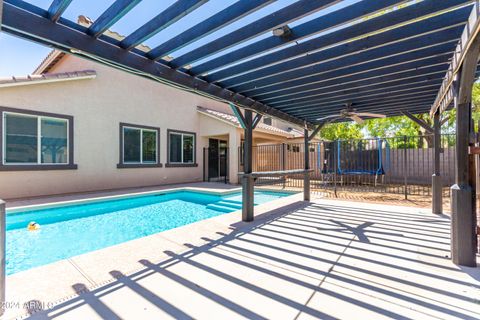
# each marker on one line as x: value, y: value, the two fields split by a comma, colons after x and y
x: 343, y: 130
x: 390, y: 127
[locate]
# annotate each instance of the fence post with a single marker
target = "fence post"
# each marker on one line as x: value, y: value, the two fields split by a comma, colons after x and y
x: 405, y: 167
x: 2, y: 255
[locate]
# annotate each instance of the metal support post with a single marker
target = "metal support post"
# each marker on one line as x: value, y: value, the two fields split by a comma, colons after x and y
x: 437, y: 202
x: 247, y: 180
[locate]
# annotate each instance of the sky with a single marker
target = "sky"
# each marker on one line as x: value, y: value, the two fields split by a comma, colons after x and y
x: 21, y: 57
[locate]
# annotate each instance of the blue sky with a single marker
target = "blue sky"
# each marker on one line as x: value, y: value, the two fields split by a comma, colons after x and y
x: 21, y: 56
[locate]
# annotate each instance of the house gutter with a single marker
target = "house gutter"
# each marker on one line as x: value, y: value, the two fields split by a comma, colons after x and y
x: 14, y: 82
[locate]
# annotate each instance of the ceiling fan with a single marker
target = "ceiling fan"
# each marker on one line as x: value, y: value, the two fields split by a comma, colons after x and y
x: 351, y: 113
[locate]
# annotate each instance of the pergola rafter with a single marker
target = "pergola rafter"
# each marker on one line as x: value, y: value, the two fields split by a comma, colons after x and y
x: 274, y: 20
x: 223, y: 18
x: 362, y: 29
x: 307, y: 29
x: 108, y: 18
x: 335, y: 68
x: 57, y: 8
x: 350, y: 48
x: 164, y: 19
x: 364, y: 80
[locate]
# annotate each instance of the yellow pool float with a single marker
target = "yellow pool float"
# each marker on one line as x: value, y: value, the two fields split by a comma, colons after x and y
x: 32, y: 226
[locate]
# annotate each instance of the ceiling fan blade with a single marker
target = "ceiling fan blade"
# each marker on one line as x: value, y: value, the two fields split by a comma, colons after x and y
x: 329, y: 117
x: 371, y: 115
x: 356, y: 118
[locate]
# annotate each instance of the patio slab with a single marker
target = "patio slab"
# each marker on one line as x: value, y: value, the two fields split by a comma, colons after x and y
x: 325, y: 259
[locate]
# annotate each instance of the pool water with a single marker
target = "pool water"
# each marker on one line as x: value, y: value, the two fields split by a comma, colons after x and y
x: 72, y: 230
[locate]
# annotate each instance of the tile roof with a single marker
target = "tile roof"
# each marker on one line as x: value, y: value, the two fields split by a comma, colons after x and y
x: 46, y: 78
x: 232, y: 119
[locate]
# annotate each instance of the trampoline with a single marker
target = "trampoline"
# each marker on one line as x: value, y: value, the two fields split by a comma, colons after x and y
x: 354, y: 157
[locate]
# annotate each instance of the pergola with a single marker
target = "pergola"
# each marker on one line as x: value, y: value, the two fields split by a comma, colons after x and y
x: 420, y: 58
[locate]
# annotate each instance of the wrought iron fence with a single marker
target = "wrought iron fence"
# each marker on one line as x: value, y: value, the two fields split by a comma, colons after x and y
x: 401, y: 165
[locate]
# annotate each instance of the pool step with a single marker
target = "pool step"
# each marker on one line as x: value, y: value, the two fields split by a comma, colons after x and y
x: 230, y: 203
x: 225, y: 205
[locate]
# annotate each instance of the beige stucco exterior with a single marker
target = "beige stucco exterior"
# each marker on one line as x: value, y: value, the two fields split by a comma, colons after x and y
x: 98, y: 106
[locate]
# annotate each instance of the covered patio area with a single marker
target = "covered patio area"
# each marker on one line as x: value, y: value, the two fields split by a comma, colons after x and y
x: 320, y: 260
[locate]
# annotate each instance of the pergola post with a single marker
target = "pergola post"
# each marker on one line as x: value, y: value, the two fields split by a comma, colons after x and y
x: 306, y: 176
x: 247, y: 179
x: 437, y: 202
x: 2, y: 254
x: 463, y: 246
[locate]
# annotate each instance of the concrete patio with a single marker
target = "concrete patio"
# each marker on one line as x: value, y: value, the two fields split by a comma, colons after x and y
x: 325, y: 259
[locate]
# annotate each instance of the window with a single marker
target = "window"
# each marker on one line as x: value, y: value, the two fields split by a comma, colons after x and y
x: 267, y: 120
x: 181, y: 148
x: 33, y: 140
x: 139, y: 146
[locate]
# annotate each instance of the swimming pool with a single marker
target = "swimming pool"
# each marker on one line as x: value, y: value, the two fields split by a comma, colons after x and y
x: 70, y: 230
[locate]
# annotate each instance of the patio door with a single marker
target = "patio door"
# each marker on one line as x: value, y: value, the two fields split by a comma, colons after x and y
x: 216, y: 158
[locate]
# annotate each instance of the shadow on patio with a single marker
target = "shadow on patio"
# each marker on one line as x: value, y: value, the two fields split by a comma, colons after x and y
x: 323, y: 260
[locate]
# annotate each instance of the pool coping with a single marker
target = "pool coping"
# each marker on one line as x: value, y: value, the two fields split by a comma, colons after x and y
x: 55, y: 204
x: 94, y: 268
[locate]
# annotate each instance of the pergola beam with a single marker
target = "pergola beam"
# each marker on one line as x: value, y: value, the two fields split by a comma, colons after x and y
x: 376, y: 102
x: 274, y: 20
x: 418, y: 121
x: 175, y: 12
x: 356, y: 95
x: 221, y: 19
x: 310, y: 28
x: 36, y: 27
x: 57, y: 8
x: 339, y: 98
x: 110, y: 16
x: 390, y: 109
x: 389, y: 112
x: 470, y: 33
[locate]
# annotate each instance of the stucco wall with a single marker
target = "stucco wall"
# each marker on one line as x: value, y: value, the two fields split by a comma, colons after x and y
x: 98, y: 106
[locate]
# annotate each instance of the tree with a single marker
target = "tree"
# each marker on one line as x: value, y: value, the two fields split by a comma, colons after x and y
x: 341, y: 130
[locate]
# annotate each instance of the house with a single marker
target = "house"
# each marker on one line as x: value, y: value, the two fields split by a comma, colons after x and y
x: 78, y: 125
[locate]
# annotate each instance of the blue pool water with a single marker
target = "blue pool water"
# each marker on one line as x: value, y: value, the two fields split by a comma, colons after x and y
x: 72, y: 230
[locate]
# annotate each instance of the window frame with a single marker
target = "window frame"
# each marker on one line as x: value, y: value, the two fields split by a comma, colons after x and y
x: 125, y: 165
x: 69, y: 165
x: 181, y: 164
